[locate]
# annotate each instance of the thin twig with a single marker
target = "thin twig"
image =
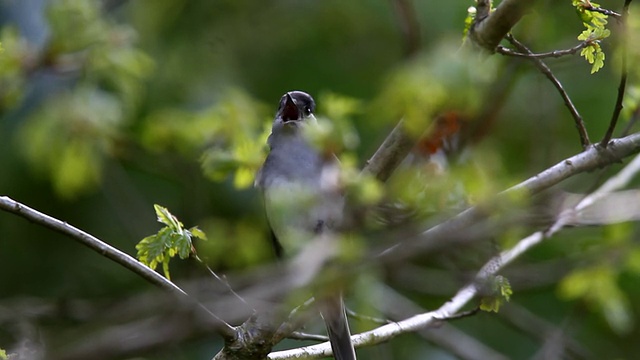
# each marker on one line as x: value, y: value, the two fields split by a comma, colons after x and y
x: 462, y: 314
x: 551, y: 54
x: 295, y: 320
x: 611, y: 13
x: 409, y: 25
x: 623, y: 79
x: 224, y: 281
x: 297, y: 335
x: 372, y: 319
x: 582, y: 131
x: 108, y: 251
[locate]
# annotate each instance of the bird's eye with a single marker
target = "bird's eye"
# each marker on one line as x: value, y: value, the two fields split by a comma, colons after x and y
x: 307, y: 110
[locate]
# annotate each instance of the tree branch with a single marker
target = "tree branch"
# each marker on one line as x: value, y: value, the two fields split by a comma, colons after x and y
x: 611, y: 13
x: 390, y: 154
x: 551, y: 54
x: 108, y: 251
x: 408, y: 24
x: 488, y: 31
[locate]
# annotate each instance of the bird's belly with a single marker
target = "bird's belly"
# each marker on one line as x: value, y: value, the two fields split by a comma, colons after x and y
x: 298, y: 212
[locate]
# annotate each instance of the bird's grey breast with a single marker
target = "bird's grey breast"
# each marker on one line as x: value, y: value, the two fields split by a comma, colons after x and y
x: 298, y: 204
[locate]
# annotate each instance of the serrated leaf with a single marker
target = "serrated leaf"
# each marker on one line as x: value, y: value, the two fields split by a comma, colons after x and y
x: 170, y: 241
x: 598, y: 63
x: 195, y: 231
x: 500, y: 292
x: 490, y: 304
x: 150, y: 250
x: 182, y: 245
x: 165, y: 217
x: 584, y: 35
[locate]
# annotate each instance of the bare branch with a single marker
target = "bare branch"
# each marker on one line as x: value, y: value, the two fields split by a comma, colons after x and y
x: 390, y: 154
x: 104, y: 249
x: 490, y: 30
x: 297, y: 335
x: 372, y: 319
x: 611, y: 13
x: 223, y: 280
x: 551, y: 54
x: 408, y: 23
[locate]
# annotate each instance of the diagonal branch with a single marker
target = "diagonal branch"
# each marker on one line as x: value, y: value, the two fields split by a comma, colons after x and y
x: 104, y: 249
x: 408, y: 24
x: 390, y: 154
x: 464, y: 295
x: 551, y: 54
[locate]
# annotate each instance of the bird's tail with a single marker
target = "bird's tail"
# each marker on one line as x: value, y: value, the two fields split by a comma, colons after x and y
x: 335, y: 317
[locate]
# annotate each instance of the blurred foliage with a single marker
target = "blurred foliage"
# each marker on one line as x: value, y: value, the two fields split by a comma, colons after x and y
x: 108, y: 107
x: 14, y: 49
x: 69, y: 137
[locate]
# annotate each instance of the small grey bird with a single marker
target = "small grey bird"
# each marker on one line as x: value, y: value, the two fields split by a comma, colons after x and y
x: 302, y: 200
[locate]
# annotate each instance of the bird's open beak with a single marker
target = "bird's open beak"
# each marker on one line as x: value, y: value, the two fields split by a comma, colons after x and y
x: 290, y: 111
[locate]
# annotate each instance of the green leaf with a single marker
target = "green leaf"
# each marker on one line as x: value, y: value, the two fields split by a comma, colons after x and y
x: 151, y: 250
x: 471, y: 15
x: 598, y: 62
x: 3, y: 354
x: 170, y: 241
x: 500, y: 292
x: 181, y: 244
x: 195, y: 231
x: 165, y: 217
x: 594, y: 56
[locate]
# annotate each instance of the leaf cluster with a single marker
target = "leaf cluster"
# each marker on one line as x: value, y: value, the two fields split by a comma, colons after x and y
x: 596, y: 31
x: 173, y: 239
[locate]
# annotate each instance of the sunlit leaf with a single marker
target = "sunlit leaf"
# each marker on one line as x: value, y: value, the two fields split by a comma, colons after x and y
x: 168, y: 242
x: 597, y: 286
x: 495, y: 294
x: 165, y: 217
x: 195, y: 231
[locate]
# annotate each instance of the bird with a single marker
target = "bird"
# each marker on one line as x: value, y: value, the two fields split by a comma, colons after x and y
x: 299, y: 184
